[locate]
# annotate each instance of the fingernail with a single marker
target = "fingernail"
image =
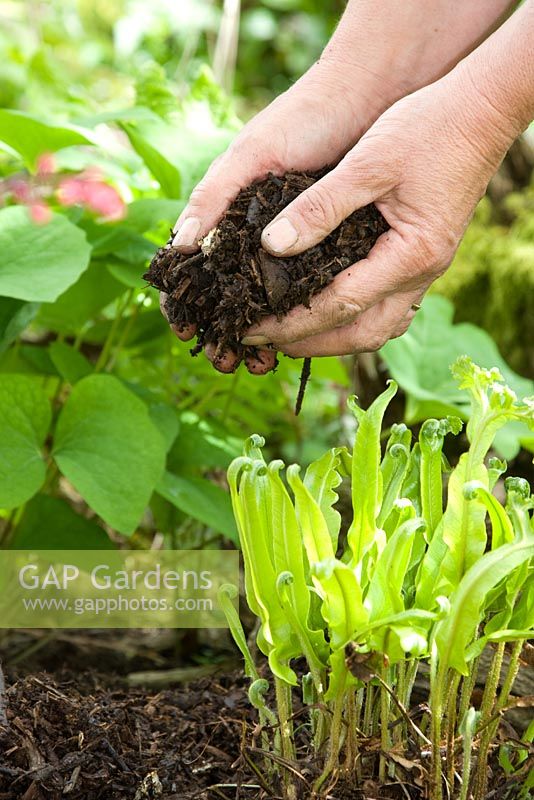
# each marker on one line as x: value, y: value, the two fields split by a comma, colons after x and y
x: 254, y: 341
x: 279, y: 236
x: 188, y: 233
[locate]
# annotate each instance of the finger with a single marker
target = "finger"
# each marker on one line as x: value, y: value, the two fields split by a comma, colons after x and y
x: 239, y: 166
x: 357, y: 180
x: 183, y: 332
x: 387, y: 320
x: 261, y: 362
x: 224, y: 361
x: 163, y: 296
x: 387, y: 269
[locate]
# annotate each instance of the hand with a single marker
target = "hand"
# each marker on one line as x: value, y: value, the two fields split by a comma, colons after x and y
x: 425, y: 163
x: 312, y: 124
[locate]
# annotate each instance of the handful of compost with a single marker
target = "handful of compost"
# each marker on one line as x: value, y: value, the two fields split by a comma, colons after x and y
x: 232, y: 282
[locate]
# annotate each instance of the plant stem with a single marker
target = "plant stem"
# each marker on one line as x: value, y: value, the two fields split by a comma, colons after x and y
x: 486, y: 710
x: 283, y: 703
x: 385, y: 742
x: 468, y: 684
x: 335, y: 735
x: 122, y: 305
x: 368, y: 710
x: 496, y: 706
x: 400, y: 732
x: 466, y: 763
x: 451, y: 726
x: 438, y: 681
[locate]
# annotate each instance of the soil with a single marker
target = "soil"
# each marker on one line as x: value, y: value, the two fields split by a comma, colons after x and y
x: 233, y: 282
x: 86, y: 733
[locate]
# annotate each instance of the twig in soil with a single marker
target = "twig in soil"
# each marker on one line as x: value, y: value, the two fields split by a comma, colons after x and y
x: 304, y: 378
x: 282, y: 761
x: 3, y: 701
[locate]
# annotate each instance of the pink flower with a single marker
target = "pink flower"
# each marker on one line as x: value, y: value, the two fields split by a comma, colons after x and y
x: 71, y: 192
x: 20, y: 189
x: 96, y: 195
x: 46, y: 165
x: 40, y: 213
x: 104, y: 200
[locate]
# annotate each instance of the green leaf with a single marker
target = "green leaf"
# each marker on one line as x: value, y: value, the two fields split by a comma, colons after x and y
x: 39, y: 262
x: 200, y: 499
x: 92, y: 292
x: 226, y: 594
x: 107, y: 446
x: 15, y: 316
x: 419, y: 361
x: 31, y: 137
x: 321, y: 479
x: 25, y: 417
x: 147, y: 213
x: 167, y: 174
x: 250, y: 489
x: 394, y: 467
x: 49, y: 523
x: 455, y: 632
x: 166, y: 421
x: 69, y: 362
x: 384, y: 596
x: 366, y: 474
x: 431, y: 438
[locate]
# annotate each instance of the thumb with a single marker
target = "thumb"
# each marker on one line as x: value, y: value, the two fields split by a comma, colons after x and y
x: 356, y: 181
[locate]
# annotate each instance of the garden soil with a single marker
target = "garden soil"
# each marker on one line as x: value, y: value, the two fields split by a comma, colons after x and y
x: 72, y: 727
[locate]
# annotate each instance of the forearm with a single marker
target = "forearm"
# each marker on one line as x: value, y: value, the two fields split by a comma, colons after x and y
x: 389, y: 49
x: 498, y: 81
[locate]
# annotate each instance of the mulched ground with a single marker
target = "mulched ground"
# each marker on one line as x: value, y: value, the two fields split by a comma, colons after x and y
x: 84, y: 734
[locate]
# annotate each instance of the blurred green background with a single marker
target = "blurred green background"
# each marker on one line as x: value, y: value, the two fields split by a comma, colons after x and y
x: 155, y: 91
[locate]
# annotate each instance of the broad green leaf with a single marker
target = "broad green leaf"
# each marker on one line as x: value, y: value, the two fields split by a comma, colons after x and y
x: 166, y: 421
x: 69, y: 362
x: 109, y: 449
x: 118, y: 240
x: 15, y: 316
x: 419, y: 361
x: 39, y: 262
x: 25, y: 417
x: 455, y: 632
x: 366, y: 475
x: 201, y: 443
x: 83, y: 302
x: 31, y: 137
x: 49, y: 523
x: 166, y: 173
x: 200, y: 499
x: 146, y: 214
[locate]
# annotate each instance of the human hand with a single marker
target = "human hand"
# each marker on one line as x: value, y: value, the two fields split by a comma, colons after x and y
x: 312, y: 124
x: 425, y: 163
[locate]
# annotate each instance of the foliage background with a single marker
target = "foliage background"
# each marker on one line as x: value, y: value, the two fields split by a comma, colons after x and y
x: 158, y: 90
